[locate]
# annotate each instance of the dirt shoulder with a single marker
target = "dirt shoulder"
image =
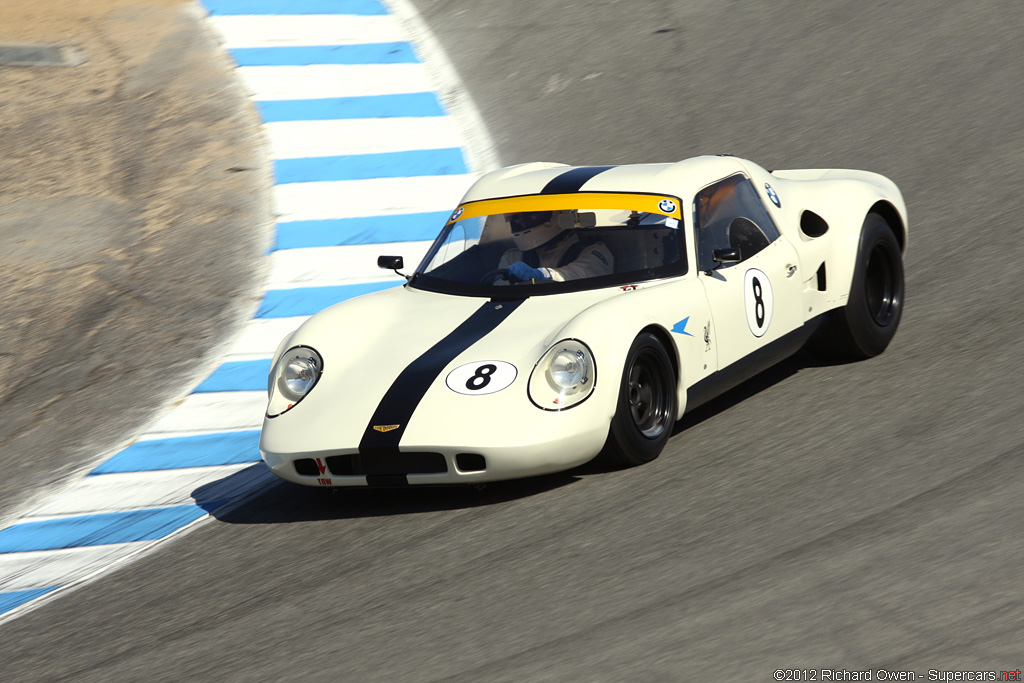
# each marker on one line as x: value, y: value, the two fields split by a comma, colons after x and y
x: 134, y: 209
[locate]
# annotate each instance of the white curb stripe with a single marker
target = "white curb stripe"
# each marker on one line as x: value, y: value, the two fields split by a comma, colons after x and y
x: 307, y: 29
x: 134, y: 490
x: 308, y: 139
x: 261, y: 336
x: 326, y: 266
x: 322, y: 81
x: 214, y: 412
x: 354, y: 198
x: 43, y: 568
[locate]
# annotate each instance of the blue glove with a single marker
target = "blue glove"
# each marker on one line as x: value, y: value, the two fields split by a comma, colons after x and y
x: 520, y: 272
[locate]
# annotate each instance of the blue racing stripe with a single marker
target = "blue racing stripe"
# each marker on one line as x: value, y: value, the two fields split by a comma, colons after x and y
x: 12, y: 599
x: 102, y: 529
x: 365, y: 107
x: 241, y: 375
x: 264, y: 7
x: 285, y: 303
x: 205, y: 450
x: 409, y: 227
x: 301, y: 55
x: 419, y: 162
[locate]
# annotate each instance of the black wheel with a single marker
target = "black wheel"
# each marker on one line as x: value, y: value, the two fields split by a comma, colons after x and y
x: 646, y: 408
x: 865, y: 326
x: 492, y: 275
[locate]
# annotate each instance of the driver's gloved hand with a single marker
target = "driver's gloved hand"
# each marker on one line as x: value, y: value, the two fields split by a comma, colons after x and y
x: 520, y: 272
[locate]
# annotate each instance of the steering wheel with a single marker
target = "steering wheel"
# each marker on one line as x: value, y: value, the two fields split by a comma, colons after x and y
x: 494, y: 274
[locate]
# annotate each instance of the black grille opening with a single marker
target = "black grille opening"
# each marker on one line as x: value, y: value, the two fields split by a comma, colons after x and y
x: 470, y: 462
x: 388, y: 463
x: 307, y: 467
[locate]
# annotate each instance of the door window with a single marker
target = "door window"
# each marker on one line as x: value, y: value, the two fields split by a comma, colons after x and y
x: 730, y: 215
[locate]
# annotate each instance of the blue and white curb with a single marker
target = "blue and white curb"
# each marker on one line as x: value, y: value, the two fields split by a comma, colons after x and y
x: 367, y: 160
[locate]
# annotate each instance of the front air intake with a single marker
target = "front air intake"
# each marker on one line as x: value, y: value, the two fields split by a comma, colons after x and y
x: 307, y: 467
x: 470, y: 462
x: 356, y: 464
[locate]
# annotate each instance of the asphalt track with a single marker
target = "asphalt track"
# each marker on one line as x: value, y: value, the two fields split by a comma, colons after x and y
x: 847, y: 517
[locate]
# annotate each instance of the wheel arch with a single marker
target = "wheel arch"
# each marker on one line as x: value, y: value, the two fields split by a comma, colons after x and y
x: 892, y: 216
x: 665, y: 338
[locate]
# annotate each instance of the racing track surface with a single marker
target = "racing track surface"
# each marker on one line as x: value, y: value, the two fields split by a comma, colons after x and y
x: 848, y: 516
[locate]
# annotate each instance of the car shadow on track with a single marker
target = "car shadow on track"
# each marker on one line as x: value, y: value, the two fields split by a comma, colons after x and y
x: 281, y: 502
x: 734, y: 397
x: 273, y: 501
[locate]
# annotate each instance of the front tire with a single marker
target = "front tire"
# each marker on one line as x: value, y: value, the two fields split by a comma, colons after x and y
x: 865, y: 326
x: 646, y: 409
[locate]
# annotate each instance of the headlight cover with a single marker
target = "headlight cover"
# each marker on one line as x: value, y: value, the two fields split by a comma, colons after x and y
x: 564, y: 377
x: 292, y: 378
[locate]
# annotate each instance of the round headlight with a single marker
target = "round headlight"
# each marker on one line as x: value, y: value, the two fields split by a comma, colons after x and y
x: 565, y: 376
x: 568, y: 367
x: 298, y: 377
x: 292, y: 378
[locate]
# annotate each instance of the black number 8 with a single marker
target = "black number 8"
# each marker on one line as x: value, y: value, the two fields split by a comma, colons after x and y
x: 758, y: 303
x: 483, y: 374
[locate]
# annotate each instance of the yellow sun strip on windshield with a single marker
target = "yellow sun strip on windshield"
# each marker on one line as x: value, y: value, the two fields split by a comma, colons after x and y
x: 663, y: 204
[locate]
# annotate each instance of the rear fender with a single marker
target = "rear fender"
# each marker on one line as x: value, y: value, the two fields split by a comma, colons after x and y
x: 842, y: 199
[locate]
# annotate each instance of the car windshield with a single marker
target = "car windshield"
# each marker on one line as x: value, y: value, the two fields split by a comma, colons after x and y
x: 548, y: 244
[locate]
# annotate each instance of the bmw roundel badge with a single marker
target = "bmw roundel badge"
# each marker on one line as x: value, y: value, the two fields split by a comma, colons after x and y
x: 667, y: 206
x: 772, y: 196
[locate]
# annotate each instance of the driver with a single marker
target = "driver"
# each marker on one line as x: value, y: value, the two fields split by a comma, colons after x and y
x: 547, y: 251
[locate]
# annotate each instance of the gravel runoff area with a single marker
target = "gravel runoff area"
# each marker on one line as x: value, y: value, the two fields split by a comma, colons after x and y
x: 134, y: 209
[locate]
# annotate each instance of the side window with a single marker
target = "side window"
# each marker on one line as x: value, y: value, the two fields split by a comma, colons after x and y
x: 729, y: 215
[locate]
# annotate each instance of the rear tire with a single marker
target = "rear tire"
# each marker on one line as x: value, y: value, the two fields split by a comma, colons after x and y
x: 646, y: 410
x: 865, y: 326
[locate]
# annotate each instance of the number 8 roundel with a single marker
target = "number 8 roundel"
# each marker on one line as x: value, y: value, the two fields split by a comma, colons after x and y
x: 481, y: 377
x: 758, y: 301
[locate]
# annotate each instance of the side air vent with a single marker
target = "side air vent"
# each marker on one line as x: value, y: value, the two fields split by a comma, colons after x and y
x: 821, y: 277
x: 812, y: 225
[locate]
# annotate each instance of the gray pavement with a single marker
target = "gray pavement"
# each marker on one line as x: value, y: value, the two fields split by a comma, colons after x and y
x: 859, y: 516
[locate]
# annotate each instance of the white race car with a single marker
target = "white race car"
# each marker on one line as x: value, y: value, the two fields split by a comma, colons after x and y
x: 565, y: 312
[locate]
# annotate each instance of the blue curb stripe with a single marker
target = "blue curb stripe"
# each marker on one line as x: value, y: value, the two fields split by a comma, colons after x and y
x: 204, y: 450
x: 247, y: 375
x: 285, y: 303
x: 300, y: 55
x: 265, y: 7
x: 410, y: 227
x: 420, y: 162
x: 101, y: 529
x: 12, y: 599
x: 364, y: 107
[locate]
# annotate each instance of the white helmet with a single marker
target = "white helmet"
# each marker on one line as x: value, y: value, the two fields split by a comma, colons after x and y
x: 531, y: 229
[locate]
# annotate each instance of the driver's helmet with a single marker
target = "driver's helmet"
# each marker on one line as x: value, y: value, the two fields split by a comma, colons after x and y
x: 531, y: 229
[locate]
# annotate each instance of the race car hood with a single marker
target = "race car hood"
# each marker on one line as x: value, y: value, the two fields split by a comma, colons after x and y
x: 385, y: 353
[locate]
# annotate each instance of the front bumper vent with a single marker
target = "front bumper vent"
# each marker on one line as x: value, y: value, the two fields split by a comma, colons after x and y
x: 391, y: 463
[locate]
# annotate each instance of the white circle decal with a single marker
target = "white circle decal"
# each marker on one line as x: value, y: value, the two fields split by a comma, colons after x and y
x: 481, y: 377
x: 758, y: 301
x: 667, y: 205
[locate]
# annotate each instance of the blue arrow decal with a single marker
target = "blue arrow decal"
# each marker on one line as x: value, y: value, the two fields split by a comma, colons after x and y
x: 680, y: 327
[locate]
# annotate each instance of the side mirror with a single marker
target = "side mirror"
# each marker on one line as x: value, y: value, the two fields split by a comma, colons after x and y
x: 720, y: 256
x: 392, y: 263
x: 726, y: 255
